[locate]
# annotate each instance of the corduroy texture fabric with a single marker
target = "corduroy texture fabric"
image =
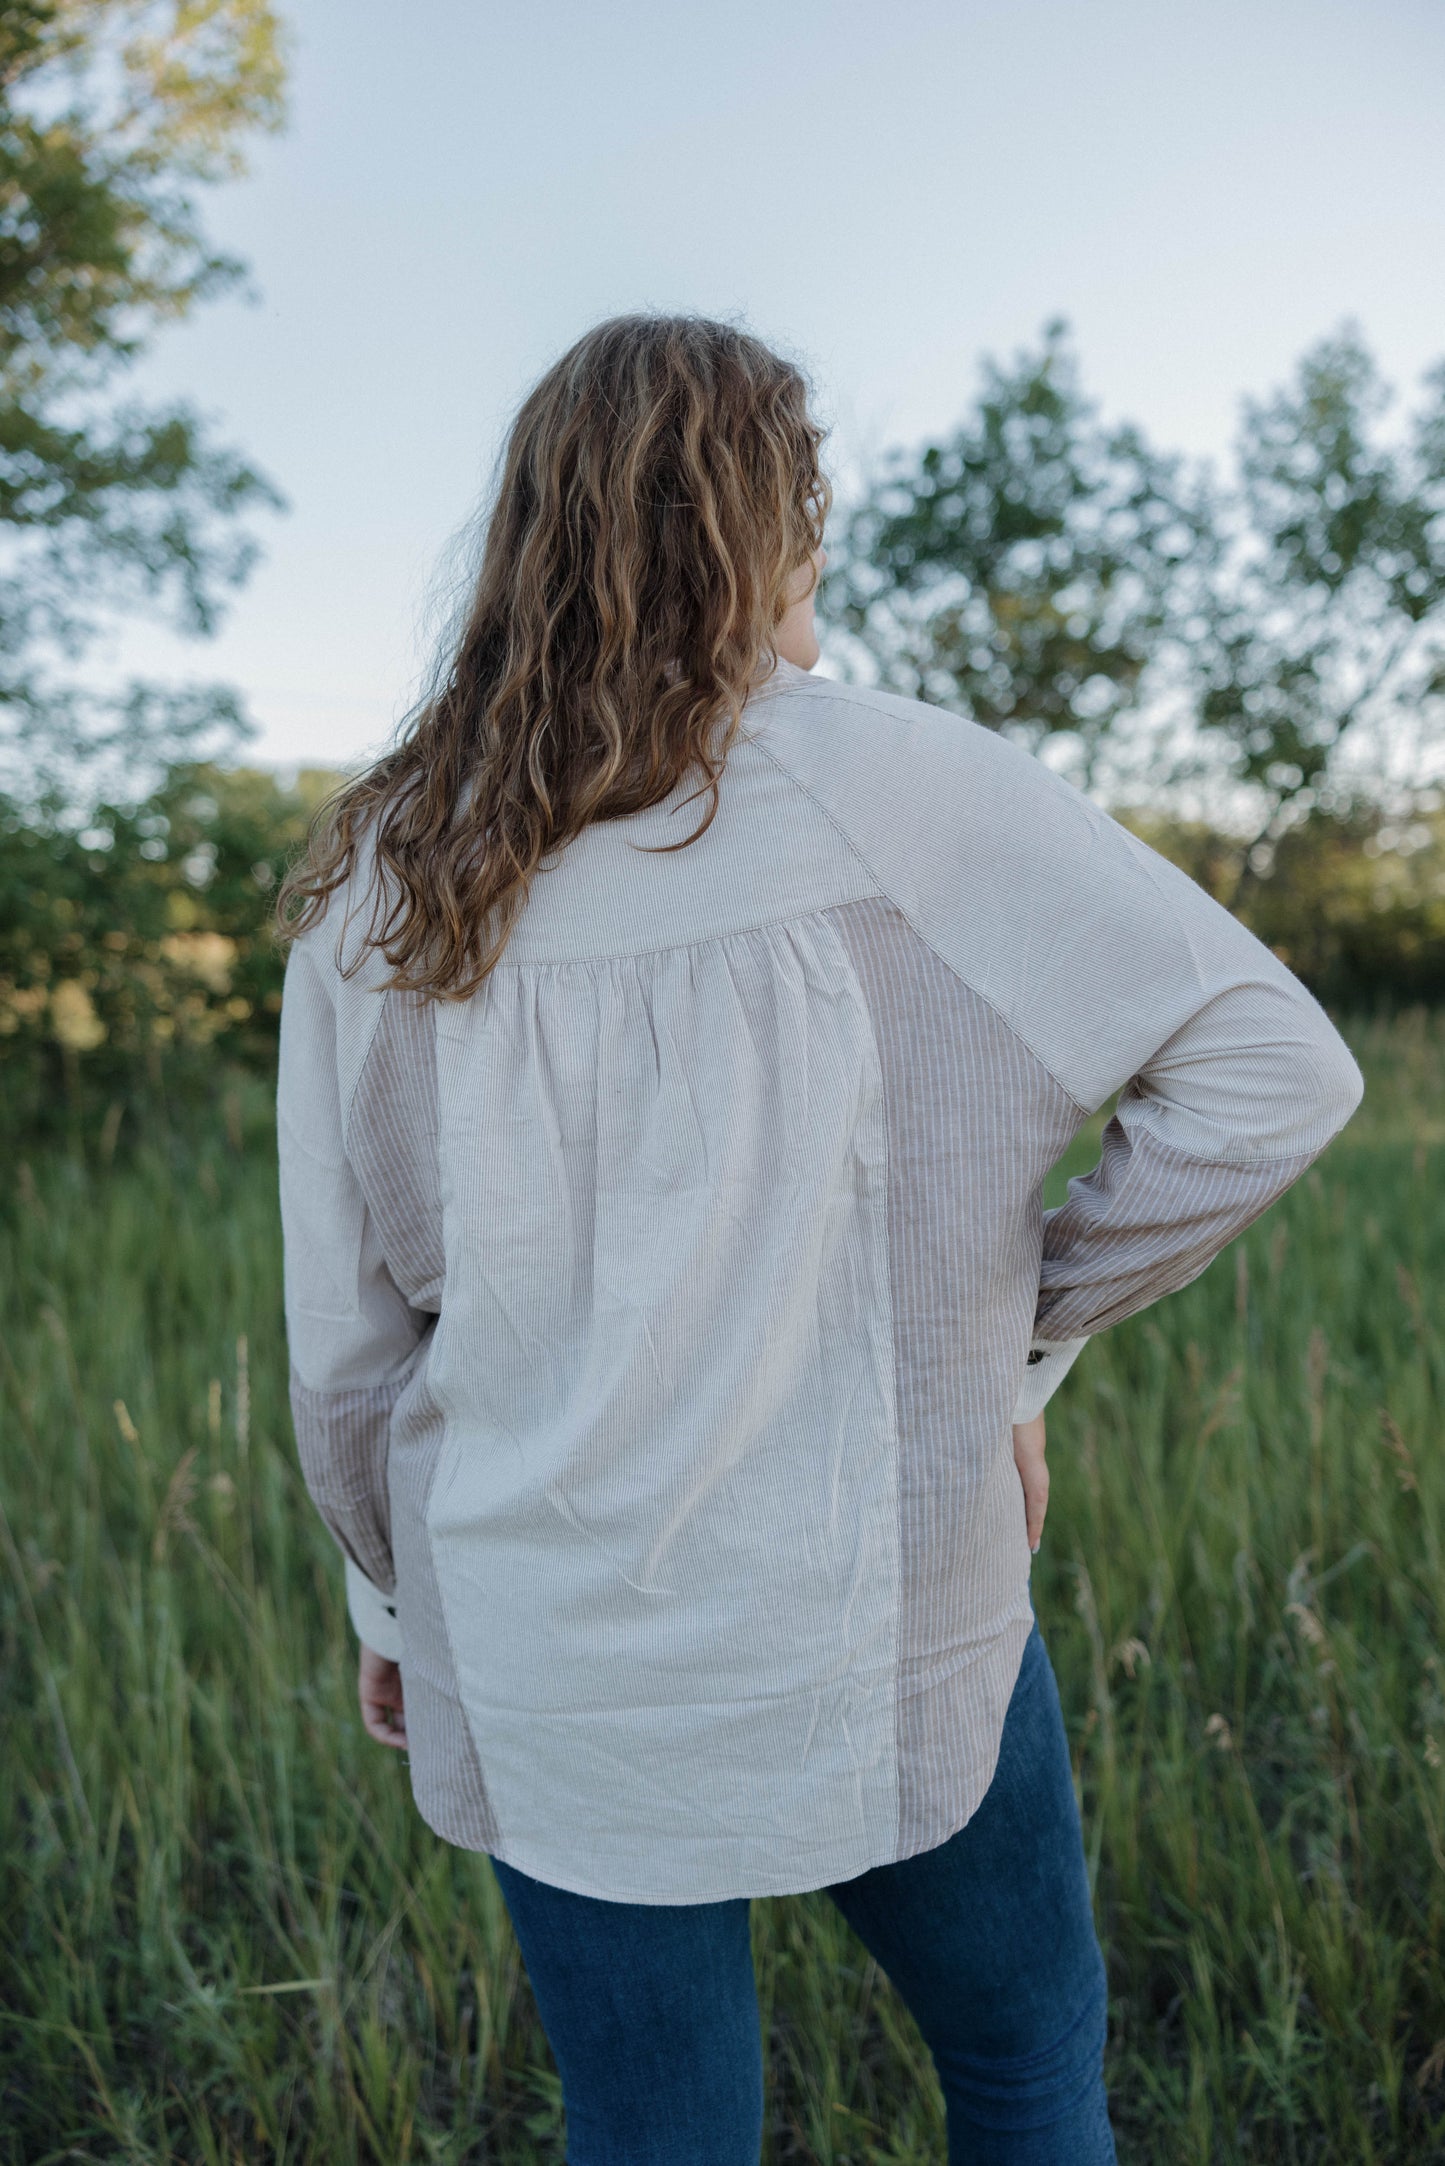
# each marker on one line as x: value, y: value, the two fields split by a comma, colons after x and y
x: 660, y: 1314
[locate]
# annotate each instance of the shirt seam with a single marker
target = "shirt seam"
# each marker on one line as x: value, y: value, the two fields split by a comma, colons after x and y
x: 344, y: 1111
x: 361, y: 1067
x: 1303, y: 1158
x: 885, y: 1104
x: 682, y: 947
x: 909, y: 919
x: 368, y: 1216
x: 842, y: 696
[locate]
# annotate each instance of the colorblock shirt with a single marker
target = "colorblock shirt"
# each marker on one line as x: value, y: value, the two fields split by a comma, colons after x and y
x: 659, y: 1314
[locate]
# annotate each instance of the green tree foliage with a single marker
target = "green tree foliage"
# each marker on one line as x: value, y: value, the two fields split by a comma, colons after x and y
x: 1044, y: 573
x: 1024, y: 568
x: 1325, y: 621
x: 136, y: 953
x: 111, y: 113
x: 1354, y: 903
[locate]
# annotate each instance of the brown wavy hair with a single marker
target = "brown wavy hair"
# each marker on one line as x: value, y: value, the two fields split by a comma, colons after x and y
x: 659, y: 491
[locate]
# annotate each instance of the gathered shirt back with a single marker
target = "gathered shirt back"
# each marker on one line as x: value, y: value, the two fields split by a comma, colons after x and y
x: 660, y: 1313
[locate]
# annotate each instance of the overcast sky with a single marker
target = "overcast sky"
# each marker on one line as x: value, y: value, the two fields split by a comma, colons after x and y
x: 885, y: 193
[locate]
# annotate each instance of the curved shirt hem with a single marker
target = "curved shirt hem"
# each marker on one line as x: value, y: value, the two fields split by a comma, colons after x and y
x: 951, y: 1812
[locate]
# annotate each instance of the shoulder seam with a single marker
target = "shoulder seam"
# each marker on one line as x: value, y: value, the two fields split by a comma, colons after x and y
x: 361, y: 1068
x: 334, y: 987
x: 843, y: 695
x: 909, y: 919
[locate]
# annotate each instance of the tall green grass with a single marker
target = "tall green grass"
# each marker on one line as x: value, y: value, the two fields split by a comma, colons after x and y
x: 227, y: 1936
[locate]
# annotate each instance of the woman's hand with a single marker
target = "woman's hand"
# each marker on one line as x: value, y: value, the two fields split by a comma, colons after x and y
x: 382, y: 1711
x: 1033, y: 1473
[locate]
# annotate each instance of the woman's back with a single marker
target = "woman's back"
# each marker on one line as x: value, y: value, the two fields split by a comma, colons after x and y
x: 660, y: 1312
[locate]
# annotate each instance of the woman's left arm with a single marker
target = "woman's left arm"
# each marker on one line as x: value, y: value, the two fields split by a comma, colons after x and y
x: 352, y: 1335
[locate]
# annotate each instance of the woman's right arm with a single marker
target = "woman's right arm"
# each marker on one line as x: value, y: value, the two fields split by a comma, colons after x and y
x: 1216, y: 1125
x: 1247, y: 1084
x: 1116, y: 971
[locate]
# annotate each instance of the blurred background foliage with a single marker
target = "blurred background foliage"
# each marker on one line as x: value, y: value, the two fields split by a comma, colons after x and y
x: 136, y: 959
x: 1250, y: 673
x: 134, y: 869
x: 225, y: 1933
x: 111, y: 113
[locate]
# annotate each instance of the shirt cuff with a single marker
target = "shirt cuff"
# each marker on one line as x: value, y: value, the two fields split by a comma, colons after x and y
x: 1042, y: 1377
x: 373, y: 1614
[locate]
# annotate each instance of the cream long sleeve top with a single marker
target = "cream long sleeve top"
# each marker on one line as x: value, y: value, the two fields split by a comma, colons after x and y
x: 660, y: 1314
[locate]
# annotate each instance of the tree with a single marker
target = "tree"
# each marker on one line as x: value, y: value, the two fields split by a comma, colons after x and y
x: 1283, y: 634
x: 137, y: 958
x: 1321, y: 660
x: 111, y: 112
x: 1024, y: 567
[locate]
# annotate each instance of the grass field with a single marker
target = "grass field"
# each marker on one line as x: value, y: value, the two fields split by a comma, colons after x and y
x: 227, y: 1936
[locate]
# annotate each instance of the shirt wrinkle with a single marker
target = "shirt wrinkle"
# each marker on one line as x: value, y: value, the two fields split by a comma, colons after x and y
x: 708, y: 1550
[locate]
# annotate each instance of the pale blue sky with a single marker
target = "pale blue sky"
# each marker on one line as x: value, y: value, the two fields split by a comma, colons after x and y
x: 887, y: 193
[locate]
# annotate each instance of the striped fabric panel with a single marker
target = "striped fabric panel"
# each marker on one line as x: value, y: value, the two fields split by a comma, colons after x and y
x: 1146, y: 1220
x: 978, y: 1270
x: 446, y: 1775
x: 974, y: 1122
x: 341, y: 1437
x: 392, y: 1143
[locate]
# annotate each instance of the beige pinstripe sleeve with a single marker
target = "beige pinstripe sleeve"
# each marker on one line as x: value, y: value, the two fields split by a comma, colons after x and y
x: 1210, y: 1128
x: 1117, y: 970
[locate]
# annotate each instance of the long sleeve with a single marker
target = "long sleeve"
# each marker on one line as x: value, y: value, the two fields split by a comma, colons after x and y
x: 351, y: 1334
x: 1114, y: 968
x: 1213, y: 1127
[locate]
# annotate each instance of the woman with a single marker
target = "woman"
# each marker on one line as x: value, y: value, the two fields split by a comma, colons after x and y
x: 671, y: 1306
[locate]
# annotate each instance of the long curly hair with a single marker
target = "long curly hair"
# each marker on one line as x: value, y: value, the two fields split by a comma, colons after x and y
x: 657, y: 496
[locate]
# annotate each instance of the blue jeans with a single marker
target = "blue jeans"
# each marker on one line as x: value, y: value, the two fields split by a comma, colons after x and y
x: 651, y: 2008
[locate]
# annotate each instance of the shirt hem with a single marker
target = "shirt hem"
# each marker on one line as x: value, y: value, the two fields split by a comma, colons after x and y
x: 923, y: 1832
